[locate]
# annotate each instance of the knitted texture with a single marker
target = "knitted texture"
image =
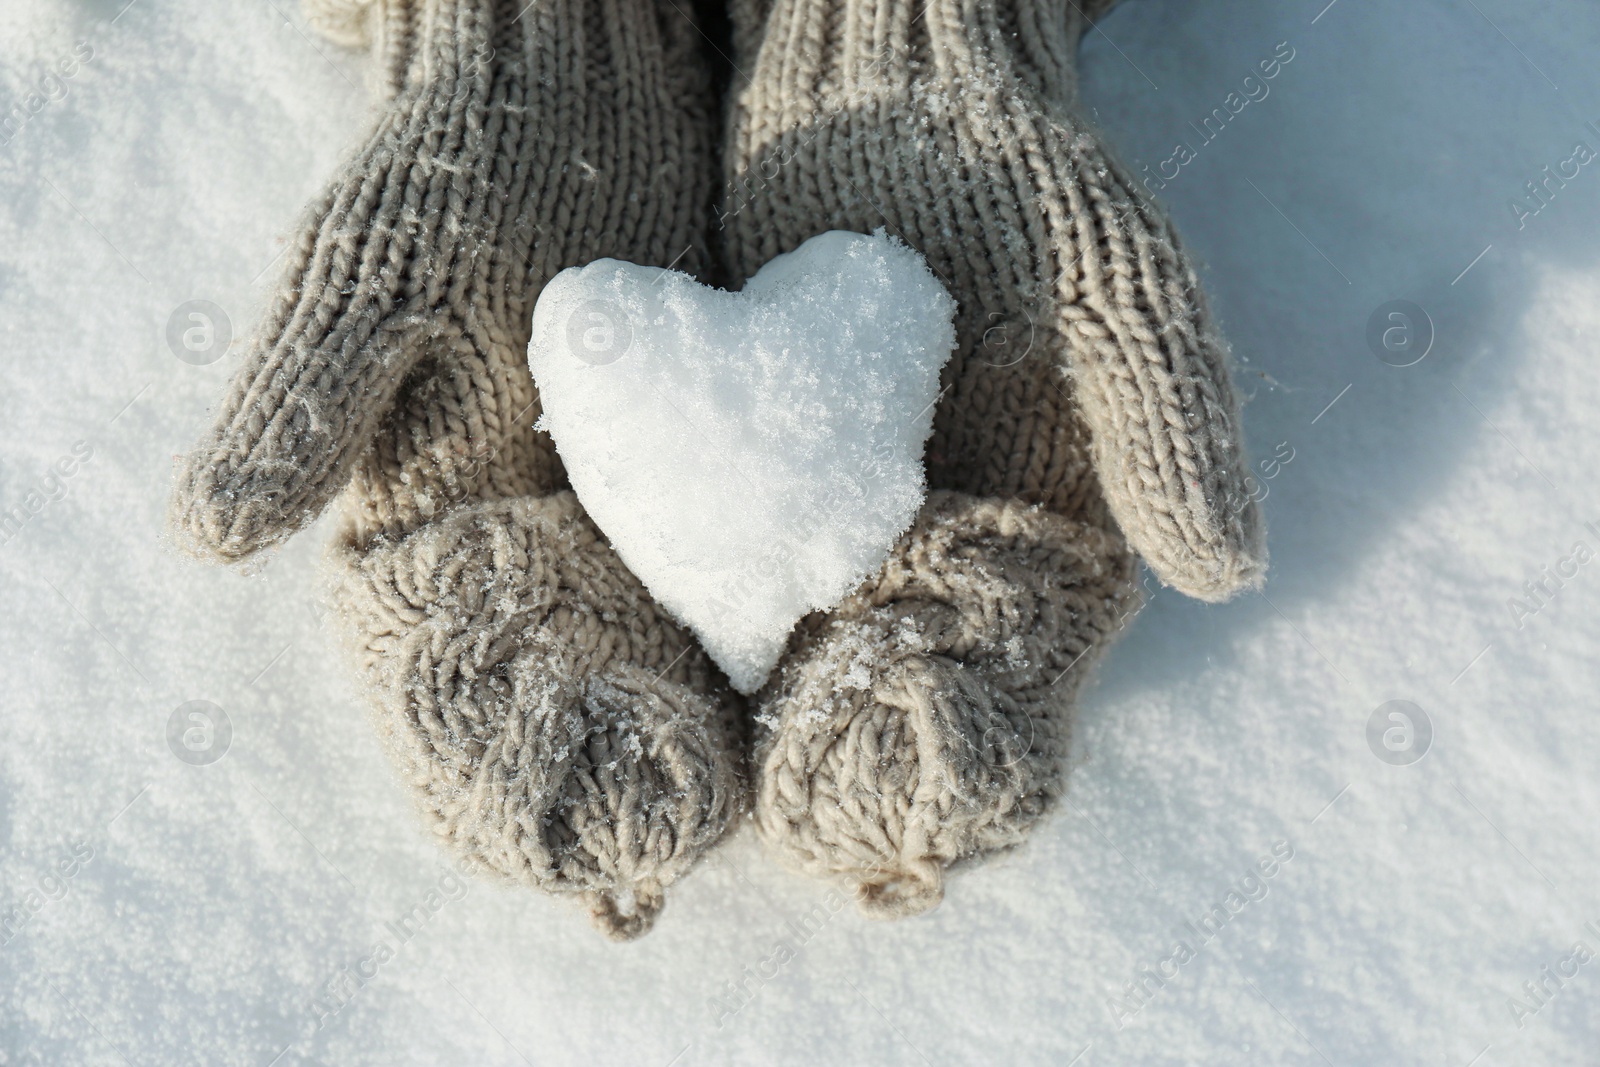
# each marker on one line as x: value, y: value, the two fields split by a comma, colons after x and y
x: 923, y: 722
x: 557, y: 727
x: 515, y: 665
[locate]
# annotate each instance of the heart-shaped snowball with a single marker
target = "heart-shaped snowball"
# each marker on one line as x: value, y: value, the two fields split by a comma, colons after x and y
x: 752, y: 456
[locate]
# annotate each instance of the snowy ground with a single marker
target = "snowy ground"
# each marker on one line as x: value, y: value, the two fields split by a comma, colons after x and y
x: 207, y: 906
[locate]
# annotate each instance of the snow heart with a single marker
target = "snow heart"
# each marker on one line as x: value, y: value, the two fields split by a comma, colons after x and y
x: 751, y: 456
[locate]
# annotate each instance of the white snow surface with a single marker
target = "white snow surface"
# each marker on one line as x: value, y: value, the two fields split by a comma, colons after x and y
x: 751, y: 456
x: 221, y: 900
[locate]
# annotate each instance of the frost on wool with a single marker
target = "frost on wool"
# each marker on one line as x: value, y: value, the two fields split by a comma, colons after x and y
x: 752, y: 456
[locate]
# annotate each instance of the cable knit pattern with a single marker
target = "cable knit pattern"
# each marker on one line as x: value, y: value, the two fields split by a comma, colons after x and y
x: 923, y: 721
x: 558, y: 728
x: 517, y: 139
x: 1088, y: 381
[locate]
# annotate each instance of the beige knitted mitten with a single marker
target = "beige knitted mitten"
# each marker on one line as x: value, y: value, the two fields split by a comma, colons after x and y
x: 1087, y: 411
x: 557, y: 727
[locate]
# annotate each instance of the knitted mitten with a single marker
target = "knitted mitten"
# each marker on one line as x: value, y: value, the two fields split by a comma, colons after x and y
x: 1087, y: 413
x: 557, y: 727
